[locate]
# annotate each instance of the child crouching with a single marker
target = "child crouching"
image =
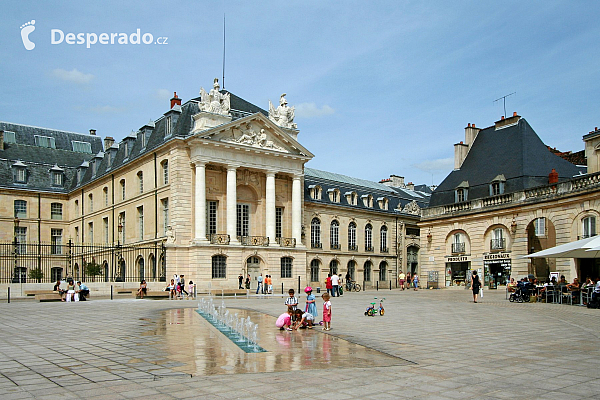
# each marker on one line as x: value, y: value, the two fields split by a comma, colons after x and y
x: 285, y: 320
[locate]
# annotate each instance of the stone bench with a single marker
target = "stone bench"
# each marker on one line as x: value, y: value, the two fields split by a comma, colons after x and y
x: 35, y: 292
x: 132, y: 291
x: 52, y: 296
x: 154, y: 294
x: 228, y: 292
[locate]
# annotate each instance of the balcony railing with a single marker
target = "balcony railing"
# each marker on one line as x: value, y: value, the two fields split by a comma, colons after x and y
x: 385, y: 250
x: 498, y: 244
x: 316, y: 245
x: 352, y: 247
x: 368, y: 248
x: 254, y: 240
x: 286, y: 242
x: 218, y: 238
x: 458, y: 248
x: 335, y: 246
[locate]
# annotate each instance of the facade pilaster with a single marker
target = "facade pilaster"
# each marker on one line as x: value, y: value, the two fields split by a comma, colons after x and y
x: 270, y: 208
x: 297, y: 209
x: 232, y: 203
x: 200, y: 203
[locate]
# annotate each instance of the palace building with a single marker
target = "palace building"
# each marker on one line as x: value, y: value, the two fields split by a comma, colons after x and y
x: 213, y: 188
x: 508, y: 196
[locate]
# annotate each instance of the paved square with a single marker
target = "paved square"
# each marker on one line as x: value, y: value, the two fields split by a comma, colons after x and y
x: 430, y: 344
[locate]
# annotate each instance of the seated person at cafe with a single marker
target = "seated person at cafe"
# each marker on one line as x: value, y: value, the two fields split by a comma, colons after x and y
x: 574, y: 288
x: 596, y: 293
x: 562, y: 281
x: 84, y: 291
x: 512, y: 285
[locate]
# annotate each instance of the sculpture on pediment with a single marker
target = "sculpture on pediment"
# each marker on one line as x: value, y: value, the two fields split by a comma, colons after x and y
x: 412, y: 208
x: 214, y: 101
x: 282, y: 115
x: 251, y: 138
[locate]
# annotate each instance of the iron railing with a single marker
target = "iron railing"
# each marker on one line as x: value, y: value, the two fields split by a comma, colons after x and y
x: 286, y: 242
x: 498, y: 244
x: 458, y: 248
x: 218, y: 238
x: 254, y: 240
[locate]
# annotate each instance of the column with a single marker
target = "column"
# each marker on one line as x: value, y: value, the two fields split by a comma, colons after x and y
x: 297, y: 209
x: 200, y: 203
x: 270, y: 205
x: 232, y: 203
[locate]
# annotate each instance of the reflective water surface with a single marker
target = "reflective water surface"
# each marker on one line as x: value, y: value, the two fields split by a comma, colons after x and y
x: 193, y: 346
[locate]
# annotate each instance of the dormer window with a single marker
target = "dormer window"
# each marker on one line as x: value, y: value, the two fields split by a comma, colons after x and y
x: 9, y: 137
x: 315, y: 192
x: 461, y: 193
x: 351, y: 198
x: 497, y: 185
x: 383, y: 203
x: 45, y: 141
x: 81, y: 147
x: 20, y: 172
x: 168, y: 126
x: 56, y: 174
x: 334, y: 195
x: 367, y: 200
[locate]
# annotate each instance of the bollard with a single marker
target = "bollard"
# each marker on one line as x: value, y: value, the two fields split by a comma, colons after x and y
x: 195, y: 291
x: 281, y: 287
x: 298, y: 283
x: 364, y: 288
x: 9, y: 294
x: 377, y: 285
x: 390, y: 285
x: 111, y: 292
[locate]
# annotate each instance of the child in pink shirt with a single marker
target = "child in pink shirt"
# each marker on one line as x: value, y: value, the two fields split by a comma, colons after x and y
x: 285, y: 320
x: 326, y: 312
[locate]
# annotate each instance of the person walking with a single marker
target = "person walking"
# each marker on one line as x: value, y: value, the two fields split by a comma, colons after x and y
x: 475, y: 285
x: 260, y: 283
x: 401, y: 279
x: 416, y: 281
x: 328, y: 285
x: 247, y: 283
x: 335, y: 283
x: 240, y: 281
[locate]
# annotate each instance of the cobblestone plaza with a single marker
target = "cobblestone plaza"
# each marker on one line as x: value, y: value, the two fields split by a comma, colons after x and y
x: 429, y: 344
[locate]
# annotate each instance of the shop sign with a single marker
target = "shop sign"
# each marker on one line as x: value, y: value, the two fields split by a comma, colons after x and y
x: 459, y: 259
x: 496, y: 256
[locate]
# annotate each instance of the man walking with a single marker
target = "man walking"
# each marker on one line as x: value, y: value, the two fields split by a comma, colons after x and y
x: 240, y: 280
x: 335, y: 282
x: 260, y: 283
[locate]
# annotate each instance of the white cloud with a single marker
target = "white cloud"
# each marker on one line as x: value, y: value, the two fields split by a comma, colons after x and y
x: 162, y: 94
x: 441, y: 164
x: 108, y: 109
x: 74, y: 76
x: 310, y: 110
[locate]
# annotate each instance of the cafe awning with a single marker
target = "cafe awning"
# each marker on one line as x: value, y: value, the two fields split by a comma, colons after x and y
x: 578, y: 249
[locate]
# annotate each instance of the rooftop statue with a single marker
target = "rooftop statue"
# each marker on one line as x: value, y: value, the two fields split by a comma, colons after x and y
x: 282, y: 115
x: 214, y: 101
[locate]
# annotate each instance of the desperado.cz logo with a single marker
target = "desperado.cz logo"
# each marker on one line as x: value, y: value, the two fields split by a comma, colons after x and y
x: 57, y: 36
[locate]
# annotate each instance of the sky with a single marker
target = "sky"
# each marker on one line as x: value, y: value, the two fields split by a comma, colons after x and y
x: 379, y: 87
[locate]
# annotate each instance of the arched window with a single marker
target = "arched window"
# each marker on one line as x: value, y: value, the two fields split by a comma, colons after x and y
x: 334, y: 235
x: 383, y: 246
x: 315, y: 233
x: 352, y: 236
x: 333, y: 267
x: 367, y: 271
x: 458, y: 243
x: 314, y: 270
x: 219, y: 267
x: 382, y: 271
x: 351, y: 268
x: 105, y: 191
x: 368, y: 237
x: 140, y: 176
x: 589, y: 227
x: 141, y: 269
x: 286, y: 267
x: 165, y: 171
x: 498, y: 241
x: 122, y: 183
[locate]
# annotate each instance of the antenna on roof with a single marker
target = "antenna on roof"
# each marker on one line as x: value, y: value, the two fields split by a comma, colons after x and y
x: 223, y: 51
x: 503, y: 98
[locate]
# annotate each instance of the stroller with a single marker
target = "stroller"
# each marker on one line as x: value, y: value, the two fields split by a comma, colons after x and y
x: 521, y: 294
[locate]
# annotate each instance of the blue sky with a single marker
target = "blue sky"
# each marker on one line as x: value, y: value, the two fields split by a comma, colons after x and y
x: 380, y: 87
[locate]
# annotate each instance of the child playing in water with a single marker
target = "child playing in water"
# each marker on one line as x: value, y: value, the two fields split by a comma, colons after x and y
x: 303, y: 320
x: 285, y: 320
x: 326, y: 312
x: 311, y: 307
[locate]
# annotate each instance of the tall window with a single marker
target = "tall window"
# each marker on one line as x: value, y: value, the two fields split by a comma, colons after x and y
x: 461, y: 195
x: 165, y: 172
x: 367, y: 271
x: 105, y: 191
x: 21, y: 175
x: 352, y: 236
x: 334, y: 234
x: 496, y: 188
x: 55, y: 241
x: 56, y: 211
x: 165, y: 213
x: 382, y: 271
x: 458, y: 244
x: 105, y: 230
x: 77, y: 208
x: 140, y: 176
x: 21, y: 236
x: 91, y: 202
x: 243, y: 220
x: 351, y: 268
x: 57, y: 178
x: 122, y: 183
x: 383, y: 247
x: 122, y: 224
x: 334, y: 195
x: 20, y: 209
x: 589, y: 227
x: 315, y: 233
x: 314, y: 270
x: 168, y: 126
x: 91, y: 233
x: 498, y: 242
x: 540, y: 226
x: 76, y: 234
x: 212, y: 218
x: 368, y: 237
x: 286, y: 267
x: 333, y: 267
x: 219, y: 267
x: 278, y: 221
x: 140, y: 212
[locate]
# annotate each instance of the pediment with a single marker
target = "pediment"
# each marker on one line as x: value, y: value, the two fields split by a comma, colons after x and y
x: 257, y: 132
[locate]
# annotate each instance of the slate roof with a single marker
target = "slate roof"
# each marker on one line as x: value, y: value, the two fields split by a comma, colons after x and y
x: 329, y: 180
x: 514, y: 151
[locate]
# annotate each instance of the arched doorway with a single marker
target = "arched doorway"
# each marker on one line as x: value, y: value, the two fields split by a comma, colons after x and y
x: 152, y: 262
x: 333, y: 267
x: 140, y: 268
x: 412, y: 259
x: 382, y: 271
x: 541, y: 235
x: 352, y: 269
x: 253, y: 268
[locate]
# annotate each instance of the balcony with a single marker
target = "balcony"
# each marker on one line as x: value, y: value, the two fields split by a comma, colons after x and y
x: 498, y: 244
x: 369, y: 248
x: 335, y: 246
x: 316, y: 245
x: 218, y: 238
x: 384, y: 250
x: 254, y: 240
x: 286, y: 242
x: 458, y: 248
x: 352, y: 247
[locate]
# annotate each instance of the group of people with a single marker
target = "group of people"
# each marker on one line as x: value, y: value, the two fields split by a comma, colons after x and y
x: 530, y: 284
x: 265, y: 286
x: 296, y: 318
x: 176, y: 287
x: 70, y: 290
x: 332, y: 284
x: 405, y: 281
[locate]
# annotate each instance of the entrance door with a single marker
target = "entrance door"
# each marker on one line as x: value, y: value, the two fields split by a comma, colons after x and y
x: 253, y: 268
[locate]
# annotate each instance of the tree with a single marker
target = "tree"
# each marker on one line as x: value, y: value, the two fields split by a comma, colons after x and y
x: 92, y: 269
x: 36, y: 274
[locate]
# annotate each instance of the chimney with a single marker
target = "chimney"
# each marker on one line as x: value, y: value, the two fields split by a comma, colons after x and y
x: 1, y: 139
x: 504, y: 122
x: 471, y: 134
x: 592, y: 144
x: 410, y: 186
x: 93, y: 132
x: 175, y: 100
x: 460, y: 153
x: 108, y: 142
x: 553, y: 177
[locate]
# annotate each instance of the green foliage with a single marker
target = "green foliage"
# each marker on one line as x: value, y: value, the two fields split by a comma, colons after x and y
x: 92, y: 269
x: 36, y: 274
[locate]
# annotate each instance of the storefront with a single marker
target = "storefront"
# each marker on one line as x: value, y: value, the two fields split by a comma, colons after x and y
x: 457, y: 269
x: 497, y: 267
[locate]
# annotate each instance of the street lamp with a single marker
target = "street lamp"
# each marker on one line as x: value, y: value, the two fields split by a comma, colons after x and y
x: 16, y: 252
x: 119, y: 231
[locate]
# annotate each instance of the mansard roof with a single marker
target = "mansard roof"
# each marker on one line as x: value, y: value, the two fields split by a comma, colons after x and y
x: 514, y: 151
x: 397, y: 198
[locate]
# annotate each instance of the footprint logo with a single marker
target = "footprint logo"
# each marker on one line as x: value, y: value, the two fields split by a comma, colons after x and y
x: 26, y: 29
